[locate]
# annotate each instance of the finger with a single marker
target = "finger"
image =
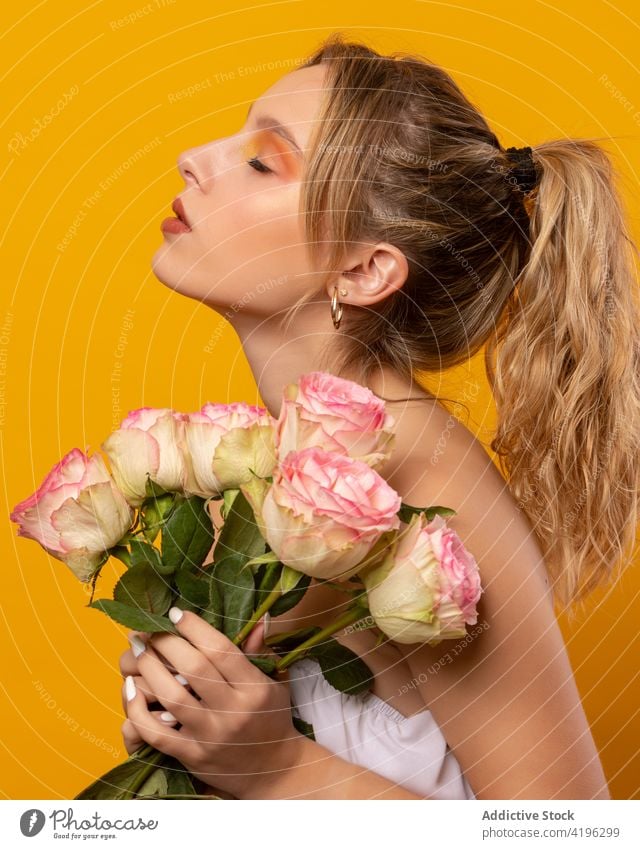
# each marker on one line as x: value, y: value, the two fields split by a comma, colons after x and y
x: 138, y: 645
x: 174, y: 696
x: 187, y: 656
x: 147, y: 691
x: 152, y: 730
x: 128, y: 663
x: 129, y: 659
x: 144, y: 635
x: 132, y: 740
x: 207, y: 684
x: 227, y: 658
x: 130, y: 735
x: 255, y: 645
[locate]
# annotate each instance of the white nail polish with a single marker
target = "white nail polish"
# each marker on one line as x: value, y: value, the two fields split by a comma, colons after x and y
x: 168, y: 717
x: 180, y: 679
x: 130, y: 686
x: 267, y: 623
x: 175, y: 614
x: 137, y: 645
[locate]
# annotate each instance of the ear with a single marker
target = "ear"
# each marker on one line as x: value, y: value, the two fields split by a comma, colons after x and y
x: 376, y: 272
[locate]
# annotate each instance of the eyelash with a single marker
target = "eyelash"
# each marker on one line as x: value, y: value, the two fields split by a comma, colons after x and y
x: 254, y: 162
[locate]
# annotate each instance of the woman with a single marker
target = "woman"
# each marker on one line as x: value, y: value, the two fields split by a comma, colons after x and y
x: 366, y: 221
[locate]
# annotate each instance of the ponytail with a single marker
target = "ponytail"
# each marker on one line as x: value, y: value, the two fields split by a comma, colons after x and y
x: 565, y: 372
x: 551, y: 296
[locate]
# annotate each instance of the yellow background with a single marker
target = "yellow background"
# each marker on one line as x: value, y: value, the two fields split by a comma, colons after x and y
x: 87, y: 333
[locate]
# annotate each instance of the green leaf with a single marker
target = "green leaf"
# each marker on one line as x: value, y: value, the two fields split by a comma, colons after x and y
x: 265, y: 663
x: 141, y: 586
x: 228, y: 497
x: 240, y: 533
x: 236, y: 587
x: 155, y: 785
x: 214, y: 619
x: 134, y: 617
x: 152, y: 512
x: 290, y: 599
x: 266, y: 579
x: 303, y: 727
x: 342, y: 668
x: 193, y: 590
x: 122, y: 781
x: 214, y: 614
x: 121, y: 552
x: 406, y: 511
x: 289, y: 579
x: 202, y: 595
x: 153, y: 489
x: 431, y: 512
x: 179, y: 780
x: 144, y: 552
x: 114, y: 784
x: 187, y: 536
x: 262, y: 560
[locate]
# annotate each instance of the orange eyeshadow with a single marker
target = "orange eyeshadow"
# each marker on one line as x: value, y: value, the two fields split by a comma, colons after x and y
x: 265, y: 141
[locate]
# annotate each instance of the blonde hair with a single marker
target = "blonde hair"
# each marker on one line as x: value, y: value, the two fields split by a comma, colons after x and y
x: 545, y: 282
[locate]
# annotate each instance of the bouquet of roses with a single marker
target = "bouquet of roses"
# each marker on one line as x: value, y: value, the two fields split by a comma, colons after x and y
x: 301, y: 501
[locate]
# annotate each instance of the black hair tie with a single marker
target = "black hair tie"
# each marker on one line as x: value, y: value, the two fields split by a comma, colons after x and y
x: 523, y: 169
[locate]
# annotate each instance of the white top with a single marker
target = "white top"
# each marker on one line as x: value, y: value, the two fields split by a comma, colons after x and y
x: 365, y: 730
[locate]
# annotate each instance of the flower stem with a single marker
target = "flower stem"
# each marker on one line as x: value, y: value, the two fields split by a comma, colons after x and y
x: 352, y: 614
x: 270, y: 600
x: 183, y: 796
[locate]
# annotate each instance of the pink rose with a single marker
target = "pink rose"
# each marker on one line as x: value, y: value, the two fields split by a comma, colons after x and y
x: 334, y: 414
x: 323, y: 512
x: 149, y: 441
x: 427, y: 585
x: 223, y: 443
x: 76, y: 514
x: 459, y: 575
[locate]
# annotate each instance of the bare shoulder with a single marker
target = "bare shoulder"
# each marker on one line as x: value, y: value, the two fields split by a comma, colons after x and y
x: 438, y: 460
x: 504, y: 696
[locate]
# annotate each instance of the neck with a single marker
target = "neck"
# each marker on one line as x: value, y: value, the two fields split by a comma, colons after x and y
x: 278, y: 357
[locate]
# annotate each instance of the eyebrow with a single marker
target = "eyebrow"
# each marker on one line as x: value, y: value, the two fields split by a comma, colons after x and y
x: 266, y: 122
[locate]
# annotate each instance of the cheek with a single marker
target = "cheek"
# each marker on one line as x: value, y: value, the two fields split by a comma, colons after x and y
x: 250, y: 249
x: 262, y: 232
x: 268, y: 218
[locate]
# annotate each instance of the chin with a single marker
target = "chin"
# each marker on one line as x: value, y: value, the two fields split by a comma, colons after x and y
x: 161, y: 266
x: 176, y: 280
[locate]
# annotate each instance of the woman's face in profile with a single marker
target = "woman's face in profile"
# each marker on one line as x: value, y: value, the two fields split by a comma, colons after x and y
x: 246, y: 248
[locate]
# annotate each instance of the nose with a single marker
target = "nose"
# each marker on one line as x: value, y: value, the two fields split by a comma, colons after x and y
x: 198, y: 165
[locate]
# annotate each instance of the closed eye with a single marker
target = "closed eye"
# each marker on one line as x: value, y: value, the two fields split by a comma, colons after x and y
x: 254, y: 162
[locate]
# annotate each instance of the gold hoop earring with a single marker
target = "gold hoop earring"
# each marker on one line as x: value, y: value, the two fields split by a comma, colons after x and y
x: 336, y: 307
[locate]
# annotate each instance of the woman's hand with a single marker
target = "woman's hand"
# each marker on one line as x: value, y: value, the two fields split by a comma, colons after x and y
x: 236, y: 728
x: 129, y: 666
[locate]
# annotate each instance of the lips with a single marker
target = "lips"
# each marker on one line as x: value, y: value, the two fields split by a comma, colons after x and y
x: 178, y: 208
